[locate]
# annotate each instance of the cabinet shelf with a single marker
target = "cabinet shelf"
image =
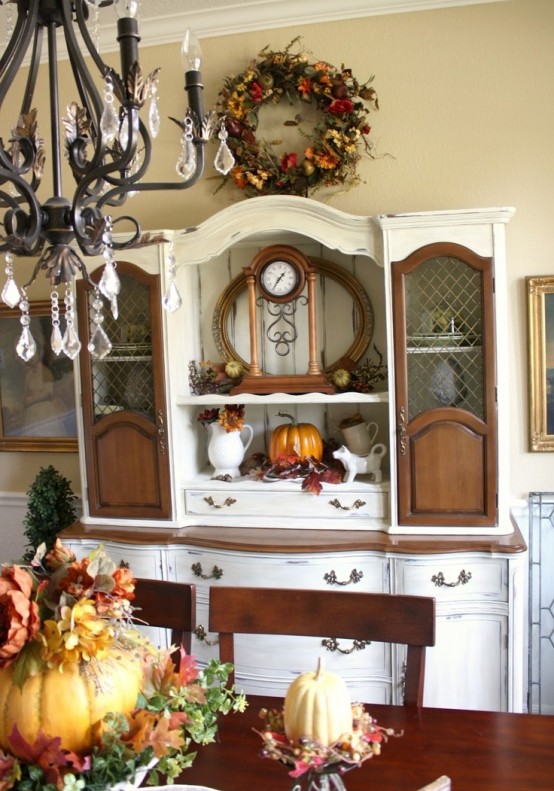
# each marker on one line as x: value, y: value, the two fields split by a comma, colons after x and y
x: 284, y: 398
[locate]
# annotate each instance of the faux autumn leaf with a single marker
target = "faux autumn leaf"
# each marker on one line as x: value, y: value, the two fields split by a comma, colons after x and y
x: 312, y: 483
x: 46, y: 753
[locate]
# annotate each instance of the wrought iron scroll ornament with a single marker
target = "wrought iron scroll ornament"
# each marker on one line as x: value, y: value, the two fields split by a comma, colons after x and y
x: 284, y: 315
x: 107, y: 146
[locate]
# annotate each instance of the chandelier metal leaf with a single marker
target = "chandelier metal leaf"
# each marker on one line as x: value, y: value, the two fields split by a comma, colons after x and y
x: 108, y: 147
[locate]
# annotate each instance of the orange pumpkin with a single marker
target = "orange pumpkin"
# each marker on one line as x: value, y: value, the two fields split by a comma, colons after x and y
x: 68, y: 704
x: 295, y: 439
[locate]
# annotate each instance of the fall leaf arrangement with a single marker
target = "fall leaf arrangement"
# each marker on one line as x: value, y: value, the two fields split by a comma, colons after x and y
x: 332, y: 149
x: 307, y: 756
x: 68, y: 616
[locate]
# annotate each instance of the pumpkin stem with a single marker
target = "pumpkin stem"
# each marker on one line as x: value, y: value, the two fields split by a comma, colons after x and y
x: 320, y: 668
x: 290, y: 417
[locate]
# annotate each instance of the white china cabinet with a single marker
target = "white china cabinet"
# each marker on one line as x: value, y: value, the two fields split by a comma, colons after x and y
x: 424, y: 295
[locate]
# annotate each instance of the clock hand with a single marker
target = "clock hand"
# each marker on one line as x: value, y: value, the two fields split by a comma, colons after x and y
x: 281, y: 276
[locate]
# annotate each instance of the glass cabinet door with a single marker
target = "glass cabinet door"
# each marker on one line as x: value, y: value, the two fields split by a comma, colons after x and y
x: 127, y: 458
x: 445, y: 389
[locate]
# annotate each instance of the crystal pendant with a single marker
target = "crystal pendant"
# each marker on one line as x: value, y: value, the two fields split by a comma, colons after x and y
x: 186, y: 165
x: 124, y: 132
x: 71, y: 342
x: 172, y: 299
x: 154, y: 111
x: 224, y: 159
x: 109, y: 284
x: 100, y: 345
x: 56, y: 340
x: 109, y: 122
x: 11, y: 294
x: 26, y: 346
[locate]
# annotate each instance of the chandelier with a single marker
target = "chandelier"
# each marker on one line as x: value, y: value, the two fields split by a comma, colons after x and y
x: 108, y: 148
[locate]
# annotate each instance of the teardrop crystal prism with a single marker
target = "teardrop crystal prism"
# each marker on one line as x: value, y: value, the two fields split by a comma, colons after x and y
x: 172, y: 299
x: 11, y: 293
x: 124, y: 133
x: 26, y: 346
x: 109, y: 284
x: 56, y: 340
x: 71, y: 343
x: 186, y: 166
x: 100, y: 345
x: 224, y: 159
x: 109, y: 123
x: 154, y: 118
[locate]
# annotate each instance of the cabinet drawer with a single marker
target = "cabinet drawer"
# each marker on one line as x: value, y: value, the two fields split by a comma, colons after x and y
x: 332, y: 504
x: 144, y: 561
x: 339, y: 571
x: 269, y: 663
x: 454, y: 579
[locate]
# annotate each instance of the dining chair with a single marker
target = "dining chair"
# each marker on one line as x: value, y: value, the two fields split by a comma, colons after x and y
x: 380, y: 617
x: 167, y: 605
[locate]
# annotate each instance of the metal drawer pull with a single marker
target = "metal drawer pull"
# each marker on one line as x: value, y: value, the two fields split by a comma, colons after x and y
x: 331, y: 578
x: 332, y: 644
x: 354, y: 507
x: 202, y: 635
x: 463, y: 577
x: 225, y: 504
x: 216, y: 574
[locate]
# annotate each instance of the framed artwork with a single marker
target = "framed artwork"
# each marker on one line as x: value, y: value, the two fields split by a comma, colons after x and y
x: 37, y: 398
x: 540, y: 300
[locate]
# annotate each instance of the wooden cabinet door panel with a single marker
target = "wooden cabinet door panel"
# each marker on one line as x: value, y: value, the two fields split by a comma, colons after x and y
x: 445, y: 388
x: 127, y: 470
x: 126, y: 448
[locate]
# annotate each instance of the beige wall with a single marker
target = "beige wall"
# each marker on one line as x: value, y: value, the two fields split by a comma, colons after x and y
x: 466, y: 120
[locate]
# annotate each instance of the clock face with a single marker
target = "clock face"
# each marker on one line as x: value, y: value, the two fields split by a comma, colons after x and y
x: 279, y: 279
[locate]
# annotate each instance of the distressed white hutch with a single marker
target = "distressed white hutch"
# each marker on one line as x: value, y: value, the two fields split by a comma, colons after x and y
x: 424, y: 292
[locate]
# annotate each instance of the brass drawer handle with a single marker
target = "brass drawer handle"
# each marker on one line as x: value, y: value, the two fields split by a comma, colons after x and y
x: 354, y: 507
x: 202, y: 635
x: 225, y: 504
x: 355, y: 576
x: 216, y: 574
x: 402, y: 433
x: 440, y: 582
x: 332, y: 644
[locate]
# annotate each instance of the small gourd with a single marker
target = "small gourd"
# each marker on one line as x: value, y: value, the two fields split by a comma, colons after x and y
x: 295, y: 439
x: 69, y: 704
x: 317, y: 705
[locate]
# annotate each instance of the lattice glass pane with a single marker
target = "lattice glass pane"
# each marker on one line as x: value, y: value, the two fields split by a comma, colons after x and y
x: 124, y: 379
x: 444, y: 336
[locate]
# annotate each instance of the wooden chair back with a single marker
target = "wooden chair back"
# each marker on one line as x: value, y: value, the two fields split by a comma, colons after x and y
x: 167, y: 605
x: 378, y: 617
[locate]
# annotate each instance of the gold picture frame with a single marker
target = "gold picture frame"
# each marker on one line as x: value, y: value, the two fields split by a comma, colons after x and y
x: 540, y: 303
x: 37, y: 399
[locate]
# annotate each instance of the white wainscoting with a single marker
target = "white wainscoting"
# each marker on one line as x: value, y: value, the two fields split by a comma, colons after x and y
x: 13, y: 508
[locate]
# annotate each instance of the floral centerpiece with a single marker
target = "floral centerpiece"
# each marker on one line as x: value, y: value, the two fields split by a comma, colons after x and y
x: 86, y: 700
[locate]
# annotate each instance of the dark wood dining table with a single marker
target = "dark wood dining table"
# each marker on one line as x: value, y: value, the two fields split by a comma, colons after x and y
x: 478, y: 750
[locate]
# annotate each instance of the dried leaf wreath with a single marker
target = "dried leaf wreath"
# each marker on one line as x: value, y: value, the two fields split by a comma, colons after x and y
x: 332, y: 149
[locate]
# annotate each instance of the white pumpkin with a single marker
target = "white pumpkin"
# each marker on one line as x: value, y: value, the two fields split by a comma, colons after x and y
x: 317, y: 705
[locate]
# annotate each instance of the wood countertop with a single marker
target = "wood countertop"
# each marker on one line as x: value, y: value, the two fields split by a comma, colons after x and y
x: 294, y: 541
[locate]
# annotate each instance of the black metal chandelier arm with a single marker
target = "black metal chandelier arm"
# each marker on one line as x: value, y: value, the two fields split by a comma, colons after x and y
x: 88, y: 92
x: 22, y: 226
x: 25, y: 159
x: 16, y: 49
